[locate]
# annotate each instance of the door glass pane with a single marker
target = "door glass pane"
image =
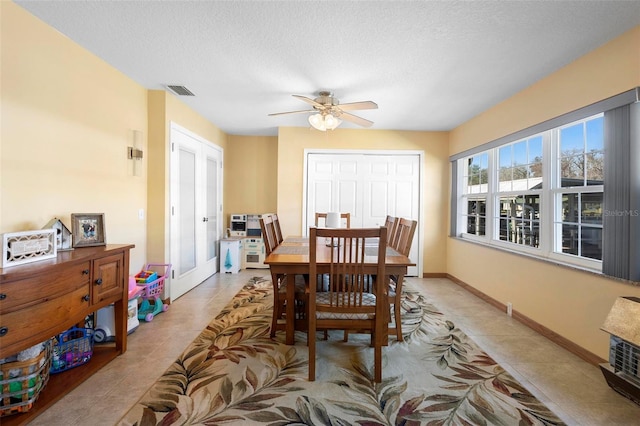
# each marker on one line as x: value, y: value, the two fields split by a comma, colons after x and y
x: 187, y: 211
x: 212, y: 209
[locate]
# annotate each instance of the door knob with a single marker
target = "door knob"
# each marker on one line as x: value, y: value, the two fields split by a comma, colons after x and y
x: 205, y: 219
x: 99, y: 281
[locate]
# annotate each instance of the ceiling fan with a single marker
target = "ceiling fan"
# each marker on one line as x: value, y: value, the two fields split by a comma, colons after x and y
x: 329, y: 113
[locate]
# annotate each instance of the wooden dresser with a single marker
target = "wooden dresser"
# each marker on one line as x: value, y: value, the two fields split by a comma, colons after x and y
x: 41, y: 299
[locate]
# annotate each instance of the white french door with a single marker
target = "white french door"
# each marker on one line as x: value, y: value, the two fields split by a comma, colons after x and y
x: 196, y: 200
x: 368, y: 184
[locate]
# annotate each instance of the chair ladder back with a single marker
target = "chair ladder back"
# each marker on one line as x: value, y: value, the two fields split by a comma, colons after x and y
x: 406, y: 228
x: 346, y: 273
x: 345, y: 216
x: 268, y: 233
x: 391, y: 223
x: 277, y: 229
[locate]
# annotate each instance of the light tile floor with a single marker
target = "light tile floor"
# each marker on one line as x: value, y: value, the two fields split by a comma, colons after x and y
x: 574, y: 390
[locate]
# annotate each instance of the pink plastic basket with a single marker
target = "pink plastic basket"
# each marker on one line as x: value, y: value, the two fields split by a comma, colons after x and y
x: 153, y: 289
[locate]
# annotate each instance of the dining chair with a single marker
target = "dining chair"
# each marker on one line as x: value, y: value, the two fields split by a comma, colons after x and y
x: 345, y: 216
x: 280, y: 281
x: 347, y: 305
x: 391, y: 223
x: 277, y: 229
x: 404, y: 235
x: 268, y: 233
x: 404, y: 232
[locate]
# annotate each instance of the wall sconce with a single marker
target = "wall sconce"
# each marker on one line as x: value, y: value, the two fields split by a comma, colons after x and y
x: 135, y: 152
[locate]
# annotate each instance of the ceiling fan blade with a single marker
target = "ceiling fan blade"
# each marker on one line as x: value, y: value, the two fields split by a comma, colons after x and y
x: 355, y: 119
x: 358, y: 105
x: 309, y: 101
x: 293, y: 112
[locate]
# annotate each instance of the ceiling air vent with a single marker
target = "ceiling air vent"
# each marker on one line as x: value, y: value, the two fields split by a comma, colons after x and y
x: 180, y: 90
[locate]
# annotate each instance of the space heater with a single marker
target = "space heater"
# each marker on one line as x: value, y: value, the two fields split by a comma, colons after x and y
x: 623, y: 324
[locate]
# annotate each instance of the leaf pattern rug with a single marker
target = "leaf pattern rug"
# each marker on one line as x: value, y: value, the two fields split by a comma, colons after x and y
x: 233, y: 373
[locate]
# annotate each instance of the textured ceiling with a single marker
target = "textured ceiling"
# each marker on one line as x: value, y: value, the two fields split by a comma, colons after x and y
x: 429, y: 65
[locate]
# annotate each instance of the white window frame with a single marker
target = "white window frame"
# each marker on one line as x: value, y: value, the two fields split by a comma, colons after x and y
x: 556, y: 192
x: 550, y: 202
x: 465, y: 197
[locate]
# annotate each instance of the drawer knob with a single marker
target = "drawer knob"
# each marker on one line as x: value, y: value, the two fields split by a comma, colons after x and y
x: 99, y: 281
x: 3, y: 331
x: 86, y: 298
x: 3, y: 296
x: 85, y: 272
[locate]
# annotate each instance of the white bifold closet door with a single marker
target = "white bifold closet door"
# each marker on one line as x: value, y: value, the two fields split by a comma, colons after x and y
x: 370, y: 185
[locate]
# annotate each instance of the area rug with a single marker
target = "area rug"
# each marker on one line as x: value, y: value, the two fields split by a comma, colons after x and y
x: 233, y: 373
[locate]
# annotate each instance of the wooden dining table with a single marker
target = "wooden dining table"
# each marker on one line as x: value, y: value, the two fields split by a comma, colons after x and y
x: 291, y: 258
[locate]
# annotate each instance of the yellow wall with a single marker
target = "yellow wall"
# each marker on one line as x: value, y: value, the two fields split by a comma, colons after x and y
x: 292, y: 141
x: 251, y: 167
x: 66, y: 119
x: 572, y: 303
x: 164, y: 109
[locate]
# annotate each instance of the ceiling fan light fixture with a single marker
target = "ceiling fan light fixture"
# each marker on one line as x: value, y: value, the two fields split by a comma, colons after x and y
x: 324, y: 122
x: 317, y: 122
x: 331, y: 122
x: 328, y: 113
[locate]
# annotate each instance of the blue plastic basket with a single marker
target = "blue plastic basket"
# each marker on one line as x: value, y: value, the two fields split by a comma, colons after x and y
x: 71, y: 349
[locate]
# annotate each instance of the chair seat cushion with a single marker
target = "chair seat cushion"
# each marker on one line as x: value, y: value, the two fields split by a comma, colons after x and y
x: 323, y: 298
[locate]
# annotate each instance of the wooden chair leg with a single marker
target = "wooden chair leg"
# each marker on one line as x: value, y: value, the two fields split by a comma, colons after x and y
x: 398, y: 320
x: 377, y: 355
x: 311, y: 344
x: 397, y: 308
x: 276, y: 306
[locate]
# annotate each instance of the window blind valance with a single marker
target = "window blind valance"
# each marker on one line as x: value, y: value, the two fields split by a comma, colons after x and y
x: 624, y: 98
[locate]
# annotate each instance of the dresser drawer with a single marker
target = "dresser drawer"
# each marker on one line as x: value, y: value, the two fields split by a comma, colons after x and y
x: 44, y: 319
x: 32, y: 291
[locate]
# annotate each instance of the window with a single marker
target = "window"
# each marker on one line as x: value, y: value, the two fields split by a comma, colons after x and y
x: 476, y: 181
x: 520, y: 183
x: 565, y: 190
x: 541, y: 194
x: 581, y: 176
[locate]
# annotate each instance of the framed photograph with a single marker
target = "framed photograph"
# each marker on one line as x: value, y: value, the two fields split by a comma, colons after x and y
x: 88, y: 229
